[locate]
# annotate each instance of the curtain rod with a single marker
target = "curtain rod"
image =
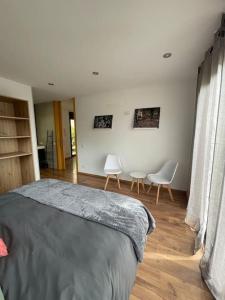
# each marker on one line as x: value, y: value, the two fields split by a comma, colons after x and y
x: 219, y: 33
x: 223, y: 21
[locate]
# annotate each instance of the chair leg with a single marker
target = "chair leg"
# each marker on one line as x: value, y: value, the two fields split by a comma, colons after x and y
x: 118, y: 181
x: 107, y: 180
x: 132, y: 185
x: 149, y: 188
x: 170, y: 193
x: 157, y: 197
x: 143, y: 185
x: 138, y: 186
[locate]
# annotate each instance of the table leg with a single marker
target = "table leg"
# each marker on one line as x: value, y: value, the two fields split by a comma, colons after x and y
x: 149, y: 188
x: 143, y: 185
x: 132, y: 184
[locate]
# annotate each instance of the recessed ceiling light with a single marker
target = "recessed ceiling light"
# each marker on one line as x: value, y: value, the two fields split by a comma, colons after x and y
x: 51, y: 83
x: 95, y: 73
x: 167, y: 55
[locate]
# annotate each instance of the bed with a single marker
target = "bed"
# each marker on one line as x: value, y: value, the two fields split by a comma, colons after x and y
x: 70, y: 242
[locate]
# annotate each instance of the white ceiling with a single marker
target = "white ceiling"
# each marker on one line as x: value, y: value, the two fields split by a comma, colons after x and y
x: 56, y: 41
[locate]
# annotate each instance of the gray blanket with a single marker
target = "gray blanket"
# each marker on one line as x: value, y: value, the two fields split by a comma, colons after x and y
x: 119, y: 212
x: 54, y: 255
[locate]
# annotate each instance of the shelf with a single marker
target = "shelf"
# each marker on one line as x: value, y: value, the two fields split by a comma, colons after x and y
x: 15, y: 137
x: 13, y: 154
x: 14, y: 118
x: 16, y: 159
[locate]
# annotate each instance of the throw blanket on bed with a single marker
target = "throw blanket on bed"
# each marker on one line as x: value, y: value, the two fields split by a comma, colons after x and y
x: 119, y: 212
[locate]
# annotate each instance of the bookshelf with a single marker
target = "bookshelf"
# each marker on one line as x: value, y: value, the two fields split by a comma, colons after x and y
x: 16, y: 158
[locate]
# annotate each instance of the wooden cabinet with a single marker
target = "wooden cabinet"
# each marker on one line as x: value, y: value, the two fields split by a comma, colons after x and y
x: 16, y: 161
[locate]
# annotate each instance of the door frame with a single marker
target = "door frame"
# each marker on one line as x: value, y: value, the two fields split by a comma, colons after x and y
x: 60, y: 154
x: 76, y: 137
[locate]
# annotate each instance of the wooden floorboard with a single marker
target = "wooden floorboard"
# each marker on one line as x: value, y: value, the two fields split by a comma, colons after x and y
x: 169, y: 270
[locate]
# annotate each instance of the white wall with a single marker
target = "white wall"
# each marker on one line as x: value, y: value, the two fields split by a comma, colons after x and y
x: 44, y: 121
x: 17, y: 90
x: 44, y: 115
x: 139, y: 149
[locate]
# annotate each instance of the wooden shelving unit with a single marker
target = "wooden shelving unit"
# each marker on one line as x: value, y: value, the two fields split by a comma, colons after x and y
x: 16, y: 161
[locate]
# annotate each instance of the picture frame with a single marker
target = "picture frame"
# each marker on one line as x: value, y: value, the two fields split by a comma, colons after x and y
x: 103, y: 122
x: 146, y: 117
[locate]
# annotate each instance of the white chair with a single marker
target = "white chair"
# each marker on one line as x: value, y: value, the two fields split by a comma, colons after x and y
x: 163, y: 177
x: 113, y: 168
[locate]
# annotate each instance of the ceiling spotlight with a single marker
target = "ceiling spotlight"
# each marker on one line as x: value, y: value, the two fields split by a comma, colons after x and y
x: 167, y: 55
x: 95, y: 73
x: 51, y: 83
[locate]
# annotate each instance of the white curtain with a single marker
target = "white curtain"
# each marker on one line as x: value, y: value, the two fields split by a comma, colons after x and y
x: 213, y: 261
x: 204, y: 144
x: 206, y: 207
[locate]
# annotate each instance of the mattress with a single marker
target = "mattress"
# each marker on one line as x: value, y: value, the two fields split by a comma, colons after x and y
x: 55, y: 255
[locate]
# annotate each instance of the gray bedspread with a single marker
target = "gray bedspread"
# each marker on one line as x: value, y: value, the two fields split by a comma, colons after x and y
x: 55, y: 255
x: 117, y: 211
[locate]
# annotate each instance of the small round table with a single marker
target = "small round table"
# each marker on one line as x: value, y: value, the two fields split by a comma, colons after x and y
x: 139, y: 178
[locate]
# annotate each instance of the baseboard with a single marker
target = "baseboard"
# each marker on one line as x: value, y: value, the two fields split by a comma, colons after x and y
x: 123, y: 180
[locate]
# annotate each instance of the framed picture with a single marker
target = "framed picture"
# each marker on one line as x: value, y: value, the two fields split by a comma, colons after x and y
x: 146, y: 117
x: 103, y: 121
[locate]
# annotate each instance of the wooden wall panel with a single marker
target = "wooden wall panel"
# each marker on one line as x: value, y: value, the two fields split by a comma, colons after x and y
x: 27, y: 169
x: 60, y: 157
x: 10, y: 175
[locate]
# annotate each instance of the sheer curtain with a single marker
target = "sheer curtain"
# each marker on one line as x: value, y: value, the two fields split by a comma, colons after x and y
x: 204, y: 144
x: 206, y: 207
x: 213, y: 261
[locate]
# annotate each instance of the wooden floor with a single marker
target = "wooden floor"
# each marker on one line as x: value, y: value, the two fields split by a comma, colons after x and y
x: 169, y: 271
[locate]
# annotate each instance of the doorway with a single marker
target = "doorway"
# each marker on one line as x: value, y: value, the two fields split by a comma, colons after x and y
x: 69, y: 136
x: 72, y: 134
x: 64, y: 128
